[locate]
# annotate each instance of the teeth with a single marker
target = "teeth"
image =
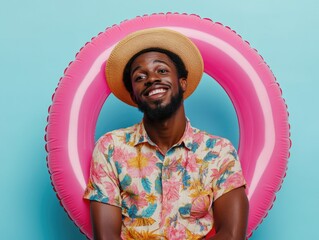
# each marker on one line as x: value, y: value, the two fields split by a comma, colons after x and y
x: 156, y: 91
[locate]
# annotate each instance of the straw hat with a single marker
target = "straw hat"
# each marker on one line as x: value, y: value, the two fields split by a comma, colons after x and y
x: 152, y: 38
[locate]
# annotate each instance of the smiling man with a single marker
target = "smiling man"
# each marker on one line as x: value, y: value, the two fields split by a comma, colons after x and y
x: 163, y: 178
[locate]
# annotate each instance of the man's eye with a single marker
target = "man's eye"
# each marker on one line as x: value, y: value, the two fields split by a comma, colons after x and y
x: 139, y: 77
x: 162, y: 71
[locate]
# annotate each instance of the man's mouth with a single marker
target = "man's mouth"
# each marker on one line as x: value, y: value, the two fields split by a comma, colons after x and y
x: 156, y: 91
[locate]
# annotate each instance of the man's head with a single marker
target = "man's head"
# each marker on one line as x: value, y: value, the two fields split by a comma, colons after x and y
x: 153, y: 74
x: 156, y: 80
x: 179, y: 64
x: 176, y: 47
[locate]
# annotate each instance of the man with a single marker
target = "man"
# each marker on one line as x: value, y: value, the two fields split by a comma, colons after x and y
x: 162, y: 178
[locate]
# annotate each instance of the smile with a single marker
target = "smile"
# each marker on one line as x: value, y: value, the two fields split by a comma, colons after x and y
x: 157, y: 91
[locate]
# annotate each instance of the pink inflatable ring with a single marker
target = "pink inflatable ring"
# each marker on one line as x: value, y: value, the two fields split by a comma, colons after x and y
x: 262, y: 114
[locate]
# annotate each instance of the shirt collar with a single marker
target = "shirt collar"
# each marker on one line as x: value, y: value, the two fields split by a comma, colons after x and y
x: 140, y: 134
x: 142, y: 137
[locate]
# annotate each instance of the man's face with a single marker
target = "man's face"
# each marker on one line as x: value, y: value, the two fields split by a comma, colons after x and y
x: 156, y: 88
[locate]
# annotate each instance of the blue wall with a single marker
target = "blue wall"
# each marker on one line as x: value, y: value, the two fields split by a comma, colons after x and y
x: 39, y: 38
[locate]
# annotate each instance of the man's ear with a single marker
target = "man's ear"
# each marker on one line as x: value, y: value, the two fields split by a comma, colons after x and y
x: 183, y: 83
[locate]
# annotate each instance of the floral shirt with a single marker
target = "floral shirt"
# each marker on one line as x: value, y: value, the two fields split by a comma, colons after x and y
x: 163, y: 196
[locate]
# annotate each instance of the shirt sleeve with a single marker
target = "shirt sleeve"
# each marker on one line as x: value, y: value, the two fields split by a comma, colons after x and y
x: 103, y: 184
x: 228, y: 174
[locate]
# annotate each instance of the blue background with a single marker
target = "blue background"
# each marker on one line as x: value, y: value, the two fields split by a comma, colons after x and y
x: 39, y: 38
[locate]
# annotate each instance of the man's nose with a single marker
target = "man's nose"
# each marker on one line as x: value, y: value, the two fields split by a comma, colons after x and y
x: 153, y: 78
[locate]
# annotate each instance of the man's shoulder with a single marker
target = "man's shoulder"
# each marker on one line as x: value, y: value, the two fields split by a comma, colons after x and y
x: 209, y: 139
x: 120, y: 135
x: 196, y: 132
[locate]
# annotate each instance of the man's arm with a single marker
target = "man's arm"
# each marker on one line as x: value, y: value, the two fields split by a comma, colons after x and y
x: 231, y: 215
x: 106, y: 221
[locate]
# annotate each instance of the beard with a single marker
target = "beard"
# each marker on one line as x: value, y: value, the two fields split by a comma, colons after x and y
x: 162, y: 112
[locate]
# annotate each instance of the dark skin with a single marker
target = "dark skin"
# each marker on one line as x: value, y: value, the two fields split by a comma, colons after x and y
x: 230, y: 210
x: 162, y: 74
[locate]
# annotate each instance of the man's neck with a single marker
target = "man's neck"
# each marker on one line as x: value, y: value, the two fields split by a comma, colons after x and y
x: 165, y: 133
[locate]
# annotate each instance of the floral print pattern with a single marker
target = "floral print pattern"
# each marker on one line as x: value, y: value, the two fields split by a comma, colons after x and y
x: 163, y: 196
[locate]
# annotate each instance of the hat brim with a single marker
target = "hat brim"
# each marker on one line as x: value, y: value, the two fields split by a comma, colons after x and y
x: 152, y: 38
